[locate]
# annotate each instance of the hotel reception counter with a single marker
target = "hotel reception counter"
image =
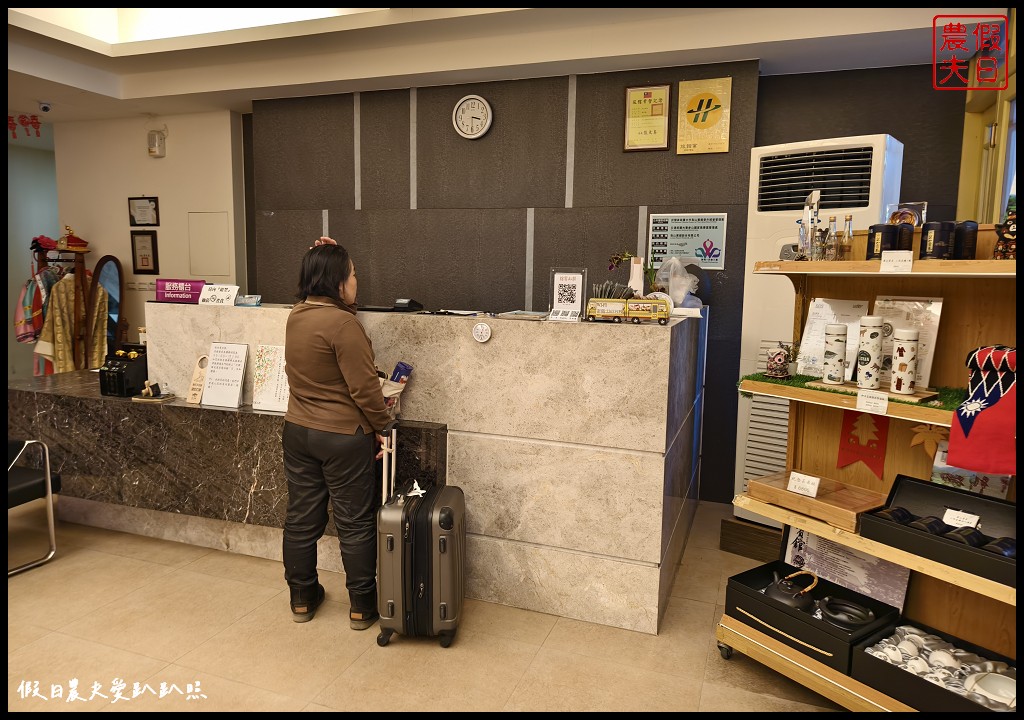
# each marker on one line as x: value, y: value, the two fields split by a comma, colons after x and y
x: 576, y: 444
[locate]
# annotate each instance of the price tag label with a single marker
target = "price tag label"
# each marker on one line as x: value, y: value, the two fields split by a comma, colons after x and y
x: 195, y: 389
x: 803, y: 484
x: 897, y: 261
x: 218, y: 295
x: 960, y: 518
x: 875, y: 402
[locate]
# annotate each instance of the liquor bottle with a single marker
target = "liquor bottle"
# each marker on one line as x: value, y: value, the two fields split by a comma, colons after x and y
x: 831, y: 240
x: 846, y: 241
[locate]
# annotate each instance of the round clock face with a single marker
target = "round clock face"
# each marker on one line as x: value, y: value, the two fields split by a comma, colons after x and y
x: 482, y: 332
x: 472, y: 117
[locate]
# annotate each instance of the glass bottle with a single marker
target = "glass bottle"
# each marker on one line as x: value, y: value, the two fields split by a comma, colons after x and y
x: 846, y: 241
x: 817, y: 244
x: 831, y: 240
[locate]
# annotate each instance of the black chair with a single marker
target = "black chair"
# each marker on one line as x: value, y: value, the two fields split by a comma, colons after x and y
x: 25, y: 484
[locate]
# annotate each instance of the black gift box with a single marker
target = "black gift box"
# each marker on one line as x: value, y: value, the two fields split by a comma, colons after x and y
x: 923, y: 498
x: 800, y: 630
x: 908, y: 687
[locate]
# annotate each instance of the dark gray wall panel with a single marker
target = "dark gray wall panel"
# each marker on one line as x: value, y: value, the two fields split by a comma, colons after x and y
x: 282, y: 238
x: 384, y: 139
x: 445, y: 259
x: 898, y: 101
x: 606, y: 175
x: 722, y: 292
x: 303, y: 153
x: 580, y: 237
x: 520, y: 162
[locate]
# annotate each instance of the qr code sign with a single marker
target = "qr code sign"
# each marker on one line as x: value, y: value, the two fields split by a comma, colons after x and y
x: 567, y: 294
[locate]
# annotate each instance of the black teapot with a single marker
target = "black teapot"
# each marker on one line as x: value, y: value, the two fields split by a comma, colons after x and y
x: 789, y: 593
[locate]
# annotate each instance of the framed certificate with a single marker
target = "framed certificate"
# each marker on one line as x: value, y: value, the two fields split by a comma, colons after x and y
x: 144, y: 257
x: 144, y: 211
x: 647, y: 117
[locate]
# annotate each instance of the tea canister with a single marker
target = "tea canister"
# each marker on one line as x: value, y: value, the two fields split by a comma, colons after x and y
x: 881, y: 237
x: 904, y: 360
x: 935, y: 241
x: 869, y: 353
x: 965, y: 240
x: 834, y: 362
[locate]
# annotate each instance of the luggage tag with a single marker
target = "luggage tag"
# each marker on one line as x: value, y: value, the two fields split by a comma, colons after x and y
x: 416, y: 491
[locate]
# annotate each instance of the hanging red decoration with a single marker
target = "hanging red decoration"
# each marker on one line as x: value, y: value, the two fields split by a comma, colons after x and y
x: 863, y: 437
x: 29, y: 122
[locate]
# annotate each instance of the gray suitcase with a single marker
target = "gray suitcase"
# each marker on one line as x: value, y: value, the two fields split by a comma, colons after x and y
x: 421, y: 553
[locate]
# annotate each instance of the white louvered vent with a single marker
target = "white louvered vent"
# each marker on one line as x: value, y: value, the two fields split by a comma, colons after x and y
x: 842, y: 175
x: 767, y: 430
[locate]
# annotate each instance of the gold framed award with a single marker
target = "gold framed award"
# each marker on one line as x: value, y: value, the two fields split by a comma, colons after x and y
x: 647, y: 112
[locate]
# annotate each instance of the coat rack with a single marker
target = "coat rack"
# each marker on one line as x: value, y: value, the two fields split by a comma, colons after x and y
x: 77, y: 260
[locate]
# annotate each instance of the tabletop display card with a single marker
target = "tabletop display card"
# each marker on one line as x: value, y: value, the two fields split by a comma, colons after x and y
x: 270, y: 384
x: 225, y: 374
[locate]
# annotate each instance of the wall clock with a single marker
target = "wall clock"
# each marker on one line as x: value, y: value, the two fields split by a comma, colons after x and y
x: 472, y: 117
x: 481, y: 332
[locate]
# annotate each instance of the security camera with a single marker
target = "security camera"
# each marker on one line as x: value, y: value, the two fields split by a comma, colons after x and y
x: 45, y: 107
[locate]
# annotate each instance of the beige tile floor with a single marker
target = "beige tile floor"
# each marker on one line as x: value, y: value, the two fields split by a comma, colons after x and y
x: 116, y: 608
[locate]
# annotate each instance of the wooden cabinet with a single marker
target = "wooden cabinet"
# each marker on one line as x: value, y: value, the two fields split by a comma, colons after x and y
x: 979, y: 308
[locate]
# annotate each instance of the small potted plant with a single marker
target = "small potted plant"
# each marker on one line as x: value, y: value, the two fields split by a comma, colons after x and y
x: 650, y: 272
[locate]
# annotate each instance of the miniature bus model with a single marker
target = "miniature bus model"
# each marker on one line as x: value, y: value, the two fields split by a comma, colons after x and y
x: 634, y: 309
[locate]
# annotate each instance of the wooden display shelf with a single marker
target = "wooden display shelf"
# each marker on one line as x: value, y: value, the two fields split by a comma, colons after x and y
x: 954, y: 576
x: 850, y: 388
x: 921, y: 268
x: 837, y: 503
x: 903, y: 411
x: 807, y: 671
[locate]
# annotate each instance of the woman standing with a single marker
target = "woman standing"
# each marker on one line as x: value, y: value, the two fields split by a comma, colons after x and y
x: 335, y: 409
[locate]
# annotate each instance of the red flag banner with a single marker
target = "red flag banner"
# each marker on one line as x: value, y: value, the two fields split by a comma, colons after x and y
x: 863, y: 438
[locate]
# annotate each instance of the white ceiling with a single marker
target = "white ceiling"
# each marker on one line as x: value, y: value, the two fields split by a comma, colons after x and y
x: 86, y: 78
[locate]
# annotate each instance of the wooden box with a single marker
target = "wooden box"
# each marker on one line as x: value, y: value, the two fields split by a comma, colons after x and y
x: 839, y: 504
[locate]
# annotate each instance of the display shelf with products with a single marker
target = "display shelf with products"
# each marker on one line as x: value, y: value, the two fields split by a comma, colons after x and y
x: 925, y: 268
x: 833, y: 399
x: 979, y: 309
x: 997, y: 591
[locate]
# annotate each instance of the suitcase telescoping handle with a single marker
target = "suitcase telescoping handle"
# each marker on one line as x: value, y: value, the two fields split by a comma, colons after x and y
x: 387, y: 481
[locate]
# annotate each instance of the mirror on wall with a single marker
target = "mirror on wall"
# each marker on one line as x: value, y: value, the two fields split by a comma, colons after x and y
x: 108, y: 275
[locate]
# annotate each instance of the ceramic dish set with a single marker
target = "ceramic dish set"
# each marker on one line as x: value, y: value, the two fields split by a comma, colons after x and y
x: 992, y: 684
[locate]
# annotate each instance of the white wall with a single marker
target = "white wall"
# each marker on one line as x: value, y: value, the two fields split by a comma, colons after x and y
x: 31, y: 211
x: 100, y: 164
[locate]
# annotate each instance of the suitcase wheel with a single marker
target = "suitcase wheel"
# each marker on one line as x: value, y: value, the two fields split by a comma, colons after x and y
x: 384, y: 637
x: 447, y: 639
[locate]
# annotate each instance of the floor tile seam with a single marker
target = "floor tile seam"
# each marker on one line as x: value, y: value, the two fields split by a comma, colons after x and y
x: 205, y: 673
x: 107, y: 646
x: 620, y: 663
x: 767, y: 691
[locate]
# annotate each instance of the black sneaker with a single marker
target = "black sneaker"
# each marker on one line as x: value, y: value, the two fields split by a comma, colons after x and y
x: 303, y: 609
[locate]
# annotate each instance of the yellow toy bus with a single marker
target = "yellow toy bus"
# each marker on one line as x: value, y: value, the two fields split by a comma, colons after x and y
x: 636, y: 310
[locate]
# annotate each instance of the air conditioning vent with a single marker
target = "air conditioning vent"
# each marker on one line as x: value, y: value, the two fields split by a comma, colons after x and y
x: 843, y: 177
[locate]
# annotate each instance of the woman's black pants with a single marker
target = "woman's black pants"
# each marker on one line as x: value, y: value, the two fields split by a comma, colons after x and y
x: 331, y: 468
